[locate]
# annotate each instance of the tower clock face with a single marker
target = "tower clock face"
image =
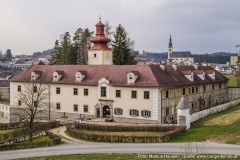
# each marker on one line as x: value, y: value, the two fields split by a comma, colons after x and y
x: 107, y: 55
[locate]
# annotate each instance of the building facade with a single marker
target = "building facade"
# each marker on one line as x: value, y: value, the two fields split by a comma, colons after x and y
x: 139, y: 93
x: 124, y: 93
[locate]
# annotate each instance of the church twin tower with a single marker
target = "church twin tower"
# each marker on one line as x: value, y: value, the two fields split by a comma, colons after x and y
x: 100, y: 53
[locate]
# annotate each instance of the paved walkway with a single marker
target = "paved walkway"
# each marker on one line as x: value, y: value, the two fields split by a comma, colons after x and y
x: 65, y: 138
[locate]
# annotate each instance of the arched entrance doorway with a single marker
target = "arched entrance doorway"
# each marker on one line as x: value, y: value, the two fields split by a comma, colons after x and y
x: 106, y: 111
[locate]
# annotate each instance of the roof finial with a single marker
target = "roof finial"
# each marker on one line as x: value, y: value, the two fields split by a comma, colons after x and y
x: 100, y: 17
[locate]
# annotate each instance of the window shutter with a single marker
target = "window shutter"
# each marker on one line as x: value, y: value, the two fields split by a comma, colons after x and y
x: 130, y: 112
x: 149, y: 113
x: 115, y: 112
x: 142, y: 113
x: 121, y: 111
x: 137, y: 112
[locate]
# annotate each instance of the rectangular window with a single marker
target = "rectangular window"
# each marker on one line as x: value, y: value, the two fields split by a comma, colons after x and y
x: 118, y: 111
x: 145, y: 113
x: 133, y: 112
x: 85, y: 108
x: 75, y: 91
x: 189, y: 90
x: 118, y: 93
x: 166, y: 94
x: 19, y: 102
x: 183, y: 91
x: 58, y: 90
x: 58, y: 106
x: 19, y: 88
x: 220, y: 86
x: 146, y: 94
x: 85, y: 92
x: 35, y: 104
x: 196, y: 89
x: 213, y: 87
x: 167, y: 111
x: 75, y: 107
x: 204, y: 88
x: 103, y: 91
x: 134, y: 94
x: 35, y: 89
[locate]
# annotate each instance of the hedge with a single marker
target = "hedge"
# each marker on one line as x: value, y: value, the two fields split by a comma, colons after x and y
x: 122, y: 128
x: 36, y: 127
x: 55, y: 141
x: 13, y: 125
x: 171, y: 131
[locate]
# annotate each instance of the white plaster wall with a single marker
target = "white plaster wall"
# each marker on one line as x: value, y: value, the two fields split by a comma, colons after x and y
x: 156, y: 111
x: 213, y: 110
x: 4, y: 113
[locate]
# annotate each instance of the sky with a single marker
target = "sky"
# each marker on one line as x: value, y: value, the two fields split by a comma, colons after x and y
x: 199, y: 26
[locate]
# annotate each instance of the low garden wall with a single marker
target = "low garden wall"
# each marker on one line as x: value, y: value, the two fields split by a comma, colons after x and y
x: 170, y: 132
x: 38, y: 126
x: 212, y: 110
x: 12, y: 144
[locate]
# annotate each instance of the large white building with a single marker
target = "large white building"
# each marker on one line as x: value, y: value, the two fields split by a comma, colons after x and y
x: 124, y: 93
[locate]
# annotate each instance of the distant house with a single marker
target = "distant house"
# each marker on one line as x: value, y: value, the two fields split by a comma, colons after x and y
x: 5, y: 75
x: 225, y: 69
x: 4, y: 89
x: 233, y: 58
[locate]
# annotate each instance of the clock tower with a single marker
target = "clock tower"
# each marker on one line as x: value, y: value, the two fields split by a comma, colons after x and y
x: 100, y: 53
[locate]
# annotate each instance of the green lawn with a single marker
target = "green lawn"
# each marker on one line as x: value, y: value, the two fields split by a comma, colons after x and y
x: 223, y: 127
x: 232, y: 80
x: 122, y: 133
x: 38, y: 139
x: 4, y: 131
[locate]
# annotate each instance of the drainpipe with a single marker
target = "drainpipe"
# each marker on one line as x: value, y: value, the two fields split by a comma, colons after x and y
x: 49, y: 111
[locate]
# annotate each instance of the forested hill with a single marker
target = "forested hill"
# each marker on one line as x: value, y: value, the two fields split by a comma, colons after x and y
x: 217, y: 57
x: 211, y: 58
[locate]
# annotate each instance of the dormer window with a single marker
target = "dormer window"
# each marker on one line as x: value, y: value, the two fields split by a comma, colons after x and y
x: 132, y: 76
x: 80, y: 75
x: 35, y: 74
x: 57, y: 75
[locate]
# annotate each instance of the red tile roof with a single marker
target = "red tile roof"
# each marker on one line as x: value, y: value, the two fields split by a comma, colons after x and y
x: 148, y: 75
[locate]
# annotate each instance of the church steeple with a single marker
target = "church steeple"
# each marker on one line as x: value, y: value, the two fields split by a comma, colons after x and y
x: 170, y: 42
x: 170, y: 48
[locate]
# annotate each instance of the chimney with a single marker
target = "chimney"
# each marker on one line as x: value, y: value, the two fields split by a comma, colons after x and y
x: 196, y: 66
x: 162, y: 66
x: 174, y: 67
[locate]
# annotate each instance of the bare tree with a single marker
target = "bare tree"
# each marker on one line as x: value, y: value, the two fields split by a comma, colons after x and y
x: 33, y: 103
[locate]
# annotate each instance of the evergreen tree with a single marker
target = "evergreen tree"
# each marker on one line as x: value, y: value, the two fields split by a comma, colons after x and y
x: 9, y: 54
x: 121, y: 48
x: 56, y: 56
x: 85, y: 45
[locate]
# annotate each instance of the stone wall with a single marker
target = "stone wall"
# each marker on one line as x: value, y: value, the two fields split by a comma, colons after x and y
x: 71, y: 116
x: 133, y: 120
x: 4, y: 113
x: 216, y: 109
x: 233, y: 93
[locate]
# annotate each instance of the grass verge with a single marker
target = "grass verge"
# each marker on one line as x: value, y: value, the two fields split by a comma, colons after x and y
x: 209, y: 128
x: 232, y: 80
x: 38, y: 139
